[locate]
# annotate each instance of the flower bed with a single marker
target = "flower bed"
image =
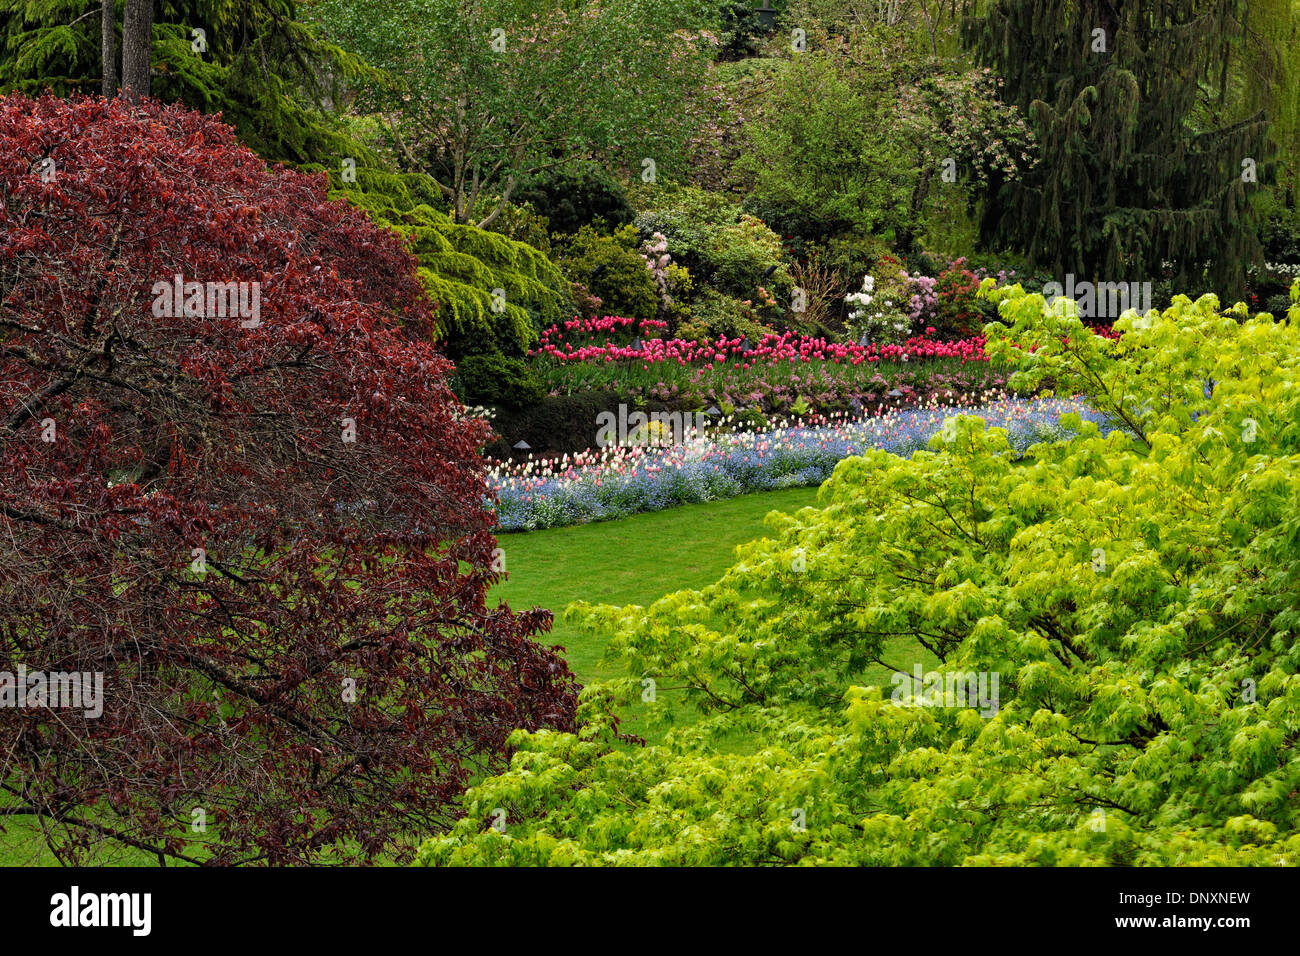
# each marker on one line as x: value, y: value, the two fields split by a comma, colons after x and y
x: 773, y: 373
x: 618, y: 481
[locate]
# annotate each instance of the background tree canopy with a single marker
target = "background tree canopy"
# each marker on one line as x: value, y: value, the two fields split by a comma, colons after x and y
x: 483, y: 94
x: 264, y: 70
x: 1147, y: 165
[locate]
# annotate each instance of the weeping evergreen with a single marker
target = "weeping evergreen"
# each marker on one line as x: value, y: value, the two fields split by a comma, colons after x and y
x: 1270, y: 80
x: 462, y: 267
x: 1137, y: 167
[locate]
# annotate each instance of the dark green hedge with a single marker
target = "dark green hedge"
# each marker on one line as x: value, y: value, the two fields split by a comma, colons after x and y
x: 559, y: 424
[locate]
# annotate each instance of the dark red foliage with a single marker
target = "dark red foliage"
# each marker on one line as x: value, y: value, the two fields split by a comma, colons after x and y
x: 325, y: 560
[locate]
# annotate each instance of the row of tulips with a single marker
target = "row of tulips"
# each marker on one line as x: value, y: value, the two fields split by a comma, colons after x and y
x: 617, y: 481
x: 782, y: 367
x: 566, y: 347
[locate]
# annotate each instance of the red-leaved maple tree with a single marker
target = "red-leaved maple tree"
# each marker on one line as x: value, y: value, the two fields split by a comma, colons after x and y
x: 235, y: 484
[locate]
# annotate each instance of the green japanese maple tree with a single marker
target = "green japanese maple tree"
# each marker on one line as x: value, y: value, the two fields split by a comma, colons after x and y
x: 1135, y: 592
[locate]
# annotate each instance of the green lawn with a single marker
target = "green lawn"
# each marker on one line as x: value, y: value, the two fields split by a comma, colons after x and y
x: 638, y: 560
x: 633, y: 560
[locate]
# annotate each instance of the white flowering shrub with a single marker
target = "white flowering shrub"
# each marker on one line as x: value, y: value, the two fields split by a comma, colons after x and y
x: 880, y: 317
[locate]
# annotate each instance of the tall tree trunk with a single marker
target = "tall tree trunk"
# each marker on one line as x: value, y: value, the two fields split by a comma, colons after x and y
x: 108, y: 56
x: 137, y: 45
x: 906, y: 232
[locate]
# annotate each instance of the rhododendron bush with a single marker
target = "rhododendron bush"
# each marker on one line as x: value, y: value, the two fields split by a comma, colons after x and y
x: 263, y: 528
x: 1135, y: 593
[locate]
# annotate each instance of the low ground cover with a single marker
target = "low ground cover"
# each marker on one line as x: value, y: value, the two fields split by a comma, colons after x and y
x: 620, y: 480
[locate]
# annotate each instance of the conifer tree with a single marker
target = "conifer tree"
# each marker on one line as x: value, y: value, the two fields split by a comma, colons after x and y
x: 1270, y: 80
x: 1138, y: 170
x: 137, y: 47
x: 257, y: 64
x: 491, y: 294
x: 108, y: 46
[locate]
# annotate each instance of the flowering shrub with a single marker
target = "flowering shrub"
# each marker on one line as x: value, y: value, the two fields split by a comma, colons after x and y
x: 924, y: 298
x: 957, y: 312
x: 617, y: 481
x: 965, y: 117
x: 878, y: 319
x: 948, y: 301
x: 585, y: 302
x: 724, y: 248
x: 657, y: 260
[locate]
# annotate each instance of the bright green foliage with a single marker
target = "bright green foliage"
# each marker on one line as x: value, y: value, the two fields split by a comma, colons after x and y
x: 461, y: 266
x: 610, y: 267
x: 1138, y: 595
